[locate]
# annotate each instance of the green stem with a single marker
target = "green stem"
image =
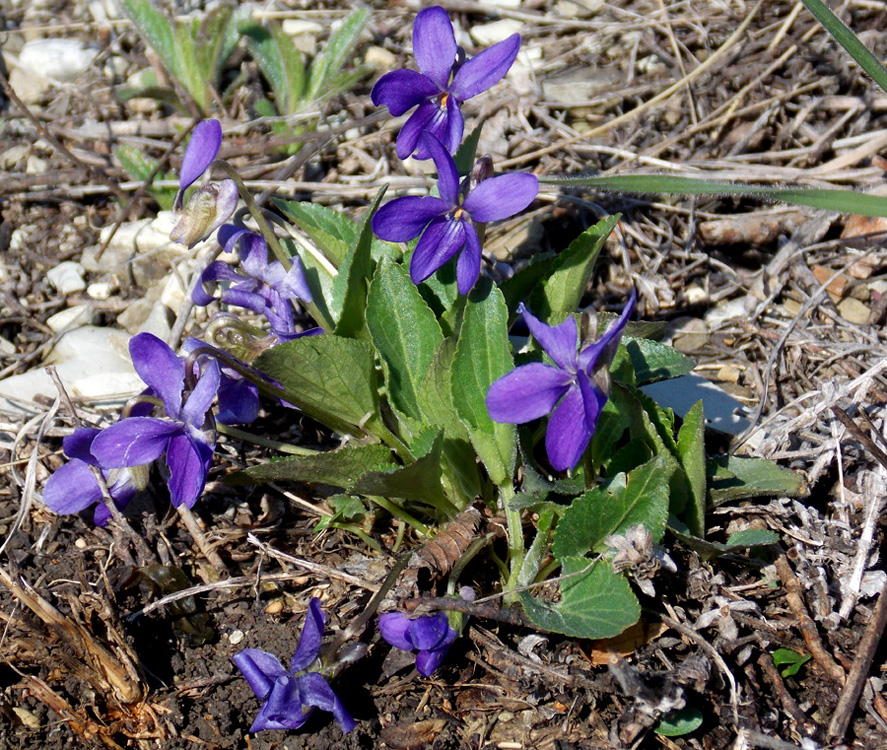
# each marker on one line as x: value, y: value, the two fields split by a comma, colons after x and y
x: 515, y: 540
x: 398, y: 512
x: 293, y: 450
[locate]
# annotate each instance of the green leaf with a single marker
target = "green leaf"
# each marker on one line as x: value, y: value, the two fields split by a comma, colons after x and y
x: 418, y: 481
x: 141, y: 167
x: 533, y: 559
x: 279, y: 61
x: 680, y: 722
x: 849, y: 41
x: 560, y: 294
x: 844, y: 201
x: 338, y: 468
x: 795, y: 661
x: 602, y: 511
x: 156, y: 30
x: 734, y: 478
x: 330, y: 378
x: 482, y: 356
x: 352, y: 283
x: 405, y: 332
x: 595, y: 602
x: 467, y: 152
x: 525, y: 280
x: 320, y: 281
x: 691, y: 455
x: 752, y: 538
x: 189, y: 73
x: 325, y: 68
x: 654, y: 361
x: 332, y: 231
x: 435, y: 399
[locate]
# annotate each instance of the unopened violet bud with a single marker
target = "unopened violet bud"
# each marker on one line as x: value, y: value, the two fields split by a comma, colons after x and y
x: 482, y: 170
x: 208, y: 208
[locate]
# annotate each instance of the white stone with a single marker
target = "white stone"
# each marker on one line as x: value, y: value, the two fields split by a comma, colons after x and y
x: 91, y: 362
x: 67, y: 277
x: 75, y: 316
x: 379, y: 57
x: 682, y: 393
x: 6, y: 346
x: 100, y: 290
x: 157, y: 322
x: 31, y: 88
x: 57, y: 59
x: 489, y: 33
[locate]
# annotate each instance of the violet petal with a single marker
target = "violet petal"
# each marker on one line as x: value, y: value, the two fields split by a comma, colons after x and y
x: 71, y: 488
x: 312, y: 635
x: 395, y: 628
x: 558, y: 341
x: 567, y: 435
x: 441, y: 125
x: 447, y: 174
x: 592, y: 399
x: 260, y: 669
x: 485, y: 69
x: 283, y: 708
x: 502, y: 196
x: 206, y: 140
x: 401, y: 90
x: 468, y: 265
x: 605, y: 347
x: 79, y: 443
x: 315, y: 691
x: 160, y: 368
x: 201, y: 398
x: 430, y: 632
x: 434, y: 44
x: 133, y: 441
x: 526, y: 393
x: 443, y: 238
x: 403, y: 219
x: 188, y: 461
x: 416, y: 124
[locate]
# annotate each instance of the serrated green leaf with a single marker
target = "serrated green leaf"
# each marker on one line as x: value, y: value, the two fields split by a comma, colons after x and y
x: 338, y: 468
x: 642, y: 498
x: 560, y: 294
x: 332, y: 231
x: 419, y: 481
x: 405, y: 332
x: 680, y: 722
x: 351, y: 285
x: 734, y: 478
x: 482, y: 356
x: 752, y: 538
x: 332, y: 379
x: 691, y: 455
x: 654, y: 361
x: 595, y: 602
x: 325, y: 68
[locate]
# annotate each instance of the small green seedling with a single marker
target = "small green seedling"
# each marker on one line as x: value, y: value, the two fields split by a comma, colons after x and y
x: 794, y: 660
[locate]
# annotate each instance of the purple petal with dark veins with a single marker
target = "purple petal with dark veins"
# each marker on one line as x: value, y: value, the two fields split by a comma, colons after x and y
x: 500, y: 197
x: 403, y: 219
x: 71, y: 488
x: 485, y: 69
x: 312, y: 635
x: 605, y: 347
x: 188, y: 460
x: 447, y: 174
x: 416, y: 124
x: 243, y: 295
x: 133, y: 441
x: 446, y: 125
x: 468, y: 265
x: 160, y: 368
x: 294, y: 284
x: 430, y: 632
x: 593, y: 400
x: 238, y: 401
x: 558, y: 341
x: 526, y: 393
x: 206, y: 140
x: 253, y: 254
x: 401, y: 90
x: 434, y: 45
x: 216, y: 271
x: 260, y: 669
x: 567, y: 435
x: 443, y: 238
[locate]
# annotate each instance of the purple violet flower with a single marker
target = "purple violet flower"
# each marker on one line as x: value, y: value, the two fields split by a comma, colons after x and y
x: 213, y: 203
x: 445, y: 81
x: 73, y: 487
x: 289, y: 697
x: 266, y: 288
x: 238, y: 398
x: 139, y: 440
x: 573, y: 390
x: 448, y: 221
x: 431, y: 636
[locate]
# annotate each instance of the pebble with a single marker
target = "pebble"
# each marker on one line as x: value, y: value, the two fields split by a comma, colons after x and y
x: 489, y: 33
x: 80, y: 543
x: 379, y: 57
x: 67, y: 277
x: 57, y: 59
x: 158, y: 322
x: 31, y: 88
x: 100, y: 290
x: 274, y: 607
x: 72, y: 317
x: 303, y: 34
x: 235, y: 637
x: 854, y: 311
